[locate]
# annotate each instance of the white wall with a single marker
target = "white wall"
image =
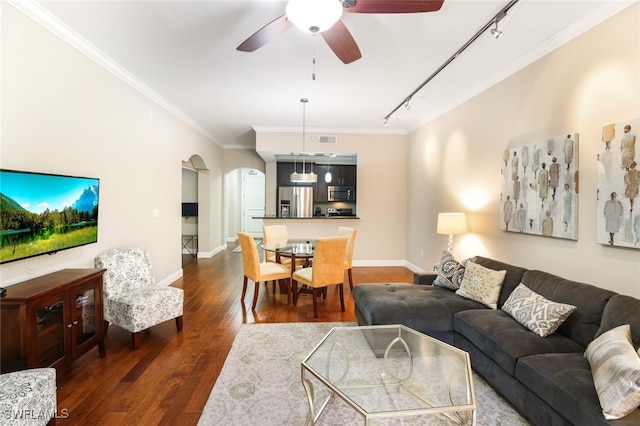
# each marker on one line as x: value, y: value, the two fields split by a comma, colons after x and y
x: 591, y: 81
x: 63, y: 113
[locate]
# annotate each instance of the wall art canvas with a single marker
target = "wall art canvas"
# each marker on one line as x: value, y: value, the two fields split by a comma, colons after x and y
x: 618, y: 215
x: 540, y: 188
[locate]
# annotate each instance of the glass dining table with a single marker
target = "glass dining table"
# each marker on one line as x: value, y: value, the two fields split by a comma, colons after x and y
x: 294, y: 250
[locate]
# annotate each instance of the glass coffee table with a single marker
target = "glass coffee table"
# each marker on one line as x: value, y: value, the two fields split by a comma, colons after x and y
x: 385, y: 371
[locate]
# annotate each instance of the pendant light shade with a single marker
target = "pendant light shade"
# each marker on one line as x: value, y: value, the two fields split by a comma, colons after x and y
x: 303, y: 177
x: 314, y: 16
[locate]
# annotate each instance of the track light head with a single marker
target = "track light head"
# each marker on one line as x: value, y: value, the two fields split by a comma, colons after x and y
x: 495, y: 32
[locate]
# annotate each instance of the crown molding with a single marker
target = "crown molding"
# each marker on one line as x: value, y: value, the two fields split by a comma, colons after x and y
x: 611, y: 8
x: 43, y: 17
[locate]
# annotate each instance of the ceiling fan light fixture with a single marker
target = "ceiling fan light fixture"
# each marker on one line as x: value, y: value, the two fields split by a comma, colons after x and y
x: 314, y: 16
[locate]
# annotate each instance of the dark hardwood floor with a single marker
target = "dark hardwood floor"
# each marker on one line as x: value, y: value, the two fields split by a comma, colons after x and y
x: 168, y: 380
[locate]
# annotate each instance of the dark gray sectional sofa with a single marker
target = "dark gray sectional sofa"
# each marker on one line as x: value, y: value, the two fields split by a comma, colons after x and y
x: 547, y: 379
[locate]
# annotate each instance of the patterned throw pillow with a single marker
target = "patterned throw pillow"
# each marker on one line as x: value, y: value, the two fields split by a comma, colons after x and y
x: 481, y: 284
x: 538, y: 314
x: 450, y: 272
x: 615, y: 367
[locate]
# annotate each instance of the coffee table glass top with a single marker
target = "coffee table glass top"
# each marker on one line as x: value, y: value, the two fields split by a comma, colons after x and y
x: 390, y: 371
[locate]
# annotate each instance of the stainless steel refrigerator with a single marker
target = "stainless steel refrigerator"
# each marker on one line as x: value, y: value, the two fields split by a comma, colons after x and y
x: 299, y: 200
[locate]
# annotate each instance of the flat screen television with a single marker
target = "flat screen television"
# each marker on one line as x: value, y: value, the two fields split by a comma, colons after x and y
x: 189, y: 209
x: 44, y: 213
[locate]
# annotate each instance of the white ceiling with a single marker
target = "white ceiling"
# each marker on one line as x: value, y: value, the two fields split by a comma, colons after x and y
x: 183, y: 53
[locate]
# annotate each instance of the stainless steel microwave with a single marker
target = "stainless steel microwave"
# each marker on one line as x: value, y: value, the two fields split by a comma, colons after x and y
x: 341, y: 193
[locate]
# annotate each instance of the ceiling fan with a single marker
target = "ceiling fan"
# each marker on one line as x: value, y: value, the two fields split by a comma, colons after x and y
x: 323, y: 16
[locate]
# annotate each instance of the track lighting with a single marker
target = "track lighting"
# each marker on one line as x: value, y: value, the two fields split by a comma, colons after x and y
x: 495, y: 32
x: 407, y: 106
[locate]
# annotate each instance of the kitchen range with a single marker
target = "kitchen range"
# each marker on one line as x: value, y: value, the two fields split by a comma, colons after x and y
x: 339, y: 212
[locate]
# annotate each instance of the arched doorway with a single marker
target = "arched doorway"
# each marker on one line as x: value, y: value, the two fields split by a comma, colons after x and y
x: 196, y: 188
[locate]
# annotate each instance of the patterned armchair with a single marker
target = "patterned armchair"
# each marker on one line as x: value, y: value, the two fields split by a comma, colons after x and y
x: 28, y: 397
x: 132, y: 299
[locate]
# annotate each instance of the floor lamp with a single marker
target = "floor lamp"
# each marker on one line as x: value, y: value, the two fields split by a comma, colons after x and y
x: 452, y: 224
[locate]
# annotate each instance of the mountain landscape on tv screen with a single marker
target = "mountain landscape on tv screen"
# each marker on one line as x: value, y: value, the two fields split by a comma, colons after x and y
x: 25, y: 233
x: 88, y: 200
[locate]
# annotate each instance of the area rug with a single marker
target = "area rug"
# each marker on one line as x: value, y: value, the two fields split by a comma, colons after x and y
x: 260, y: 385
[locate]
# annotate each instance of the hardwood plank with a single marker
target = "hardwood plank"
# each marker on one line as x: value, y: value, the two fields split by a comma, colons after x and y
x: 169, y: 379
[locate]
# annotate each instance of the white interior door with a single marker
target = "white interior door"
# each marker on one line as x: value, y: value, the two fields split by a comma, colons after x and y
x: 253, y: 202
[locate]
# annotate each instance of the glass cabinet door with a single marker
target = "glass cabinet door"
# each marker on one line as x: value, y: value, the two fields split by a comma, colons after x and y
x: 50, y: 331
x: 84, y: 315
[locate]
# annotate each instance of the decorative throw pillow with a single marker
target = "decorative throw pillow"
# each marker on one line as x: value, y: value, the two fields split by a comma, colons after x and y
x: 538, y: 314
x: 615, y: 367
x: 450, y: 272
x: 481, y: 284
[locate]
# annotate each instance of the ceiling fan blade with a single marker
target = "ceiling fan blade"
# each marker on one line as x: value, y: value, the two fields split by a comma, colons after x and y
x: 265, y: 34
x: 392, y: 6
x: 342, y: 43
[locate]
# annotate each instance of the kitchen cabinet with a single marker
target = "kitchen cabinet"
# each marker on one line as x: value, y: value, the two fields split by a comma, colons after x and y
x: 52, y: 320
x: 341, y: 175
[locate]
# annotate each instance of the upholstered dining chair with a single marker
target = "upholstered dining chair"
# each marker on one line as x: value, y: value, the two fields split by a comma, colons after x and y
x: 350, y: 233
x: 132, y: 299
x: 260, y: 271
x: 327, y: 269
x: 277, y: 235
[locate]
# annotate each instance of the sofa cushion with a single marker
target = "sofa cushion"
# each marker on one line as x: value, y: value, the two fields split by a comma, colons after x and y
x: 615, y: 366
x: 481, y: 284
x: 590, y: 301
x: 423, y: 308
x: 511, y: 279
x: 564, y: 381
x: 450, y: 271
x: 538, y: 314
x: 622, y: 310
x: 504, y: 340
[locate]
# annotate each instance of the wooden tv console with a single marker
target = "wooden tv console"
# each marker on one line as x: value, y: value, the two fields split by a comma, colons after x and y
x: 50, y: 321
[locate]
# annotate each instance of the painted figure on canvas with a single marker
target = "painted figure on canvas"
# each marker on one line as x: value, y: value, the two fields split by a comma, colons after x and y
x: 627, y: 147
x: 613, y: 216
x: 631, y: 183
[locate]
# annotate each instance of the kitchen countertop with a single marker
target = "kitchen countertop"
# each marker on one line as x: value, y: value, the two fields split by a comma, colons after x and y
x: 306, y: 218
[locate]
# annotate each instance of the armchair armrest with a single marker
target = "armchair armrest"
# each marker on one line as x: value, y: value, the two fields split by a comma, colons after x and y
x: 424, y: 278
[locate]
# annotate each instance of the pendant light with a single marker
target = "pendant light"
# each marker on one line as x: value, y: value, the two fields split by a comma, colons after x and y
x: 303, y: 177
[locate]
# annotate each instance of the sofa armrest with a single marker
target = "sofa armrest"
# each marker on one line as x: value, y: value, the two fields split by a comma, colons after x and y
x: 424, y: 278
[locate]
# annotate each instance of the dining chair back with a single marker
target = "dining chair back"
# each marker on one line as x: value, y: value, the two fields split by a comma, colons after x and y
x: 258, y: 271
x: 274, y: 234
x: 327, y: 269
x: 350, y: 233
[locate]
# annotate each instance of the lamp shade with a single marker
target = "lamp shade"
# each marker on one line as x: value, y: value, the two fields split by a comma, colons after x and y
x: 452, y: 223
x: 314, y: 16
x: 303, y: 177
